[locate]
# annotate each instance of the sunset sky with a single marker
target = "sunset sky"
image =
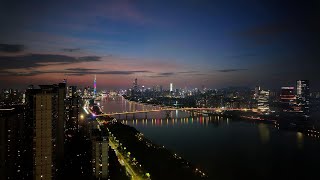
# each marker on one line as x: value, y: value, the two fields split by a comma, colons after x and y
x: 190, y: 43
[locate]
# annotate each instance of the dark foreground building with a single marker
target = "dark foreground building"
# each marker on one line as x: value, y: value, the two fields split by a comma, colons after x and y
x: 46, y: 112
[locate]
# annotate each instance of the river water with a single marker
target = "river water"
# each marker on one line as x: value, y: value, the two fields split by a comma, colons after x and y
x: 226, y: 148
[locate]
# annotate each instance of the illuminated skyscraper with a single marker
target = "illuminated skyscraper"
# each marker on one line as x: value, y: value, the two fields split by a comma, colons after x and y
x: 171, y: 87
x: 135, y: 84
x: 303, y: 95
x: 263, y: 100
x: 288, y: 99
x: 256, y: 92
x: 135, y: 87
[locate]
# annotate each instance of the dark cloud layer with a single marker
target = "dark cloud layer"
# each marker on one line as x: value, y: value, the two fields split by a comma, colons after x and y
x: 231, y: 70
x: 11, y: 48
x: 81, y: 73
x: 81, y: 69
x: 160, y: 75
x: 37, y: 60
x: 166, y: 74
x: 71, y: 49
x: 183, y: 73
x: 70, y: 72
x: 88, y: 58
x: 188, y: 72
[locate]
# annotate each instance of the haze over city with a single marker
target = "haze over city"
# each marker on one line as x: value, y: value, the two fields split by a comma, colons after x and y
x: 189, y: 43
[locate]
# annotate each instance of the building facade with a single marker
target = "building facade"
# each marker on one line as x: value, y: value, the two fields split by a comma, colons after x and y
x: 303, y: 95
x: 47, y: 112
x: 100, y: 157
x: 263, y: 100
x: 288, y: 99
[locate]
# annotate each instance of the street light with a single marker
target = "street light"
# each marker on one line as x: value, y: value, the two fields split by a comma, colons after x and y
x: 148, y: 175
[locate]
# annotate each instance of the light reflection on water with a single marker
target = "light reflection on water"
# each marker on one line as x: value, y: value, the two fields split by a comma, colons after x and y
x: 168, y: 122
x: 226, y: 148
x: 264, y: 133
x: 300, y: 140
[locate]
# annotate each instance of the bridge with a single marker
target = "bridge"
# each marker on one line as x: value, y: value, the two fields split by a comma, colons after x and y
x: 7, y: 109
x: 172, y: 109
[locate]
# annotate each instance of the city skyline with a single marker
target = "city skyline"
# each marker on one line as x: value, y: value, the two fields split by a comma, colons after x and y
x: 179, y: 89
x: 187, y: 43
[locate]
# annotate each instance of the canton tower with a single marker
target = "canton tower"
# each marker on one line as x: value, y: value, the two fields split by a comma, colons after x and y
x: 95, y: 86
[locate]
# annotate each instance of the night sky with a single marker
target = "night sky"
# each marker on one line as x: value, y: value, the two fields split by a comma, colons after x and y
x: 190, y: 43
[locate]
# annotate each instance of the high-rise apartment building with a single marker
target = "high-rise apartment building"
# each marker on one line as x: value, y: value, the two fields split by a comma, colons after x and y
x: 72, y: 110
x: 48, y: 113
x: 15, y: 145
x: 100, y: 157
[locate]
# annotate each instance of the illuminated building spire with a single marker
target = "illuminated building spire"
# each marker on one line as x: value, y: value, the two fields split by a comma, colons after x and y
x: 95, y: 85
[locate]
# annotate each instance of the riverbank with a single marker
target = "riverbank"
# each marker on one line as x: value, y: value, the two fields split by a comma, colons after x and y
x: 163, y: 101
x: 226, y: 148
x: 143, y: 157
x: 243, y: 115
x: 156, y: 160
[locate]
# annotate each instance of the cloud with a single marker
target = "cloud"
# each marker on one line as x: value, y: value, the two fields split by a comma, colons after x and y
x: 231, y: 70
x: 38, y: 60
x: 89, y: 58
x: 183, y: 73
x: 11, y: 48
x: 156, y: 76
x: 69, y: 72
x: 166, y: 74
x: 80, y: 72
x: 40, y: 64
x: 200, y: 74
x: 188, y: 72
x: 160, y: 75
x: 70, y: 49
x: 81, y: 69
x: 121, y: 72
x: 20, y: 73
x: 193, y: 73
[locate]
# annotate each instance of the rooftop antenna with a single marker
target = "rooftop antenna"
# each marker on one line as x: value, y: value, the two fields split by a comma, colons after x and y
x: 66, y: 78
